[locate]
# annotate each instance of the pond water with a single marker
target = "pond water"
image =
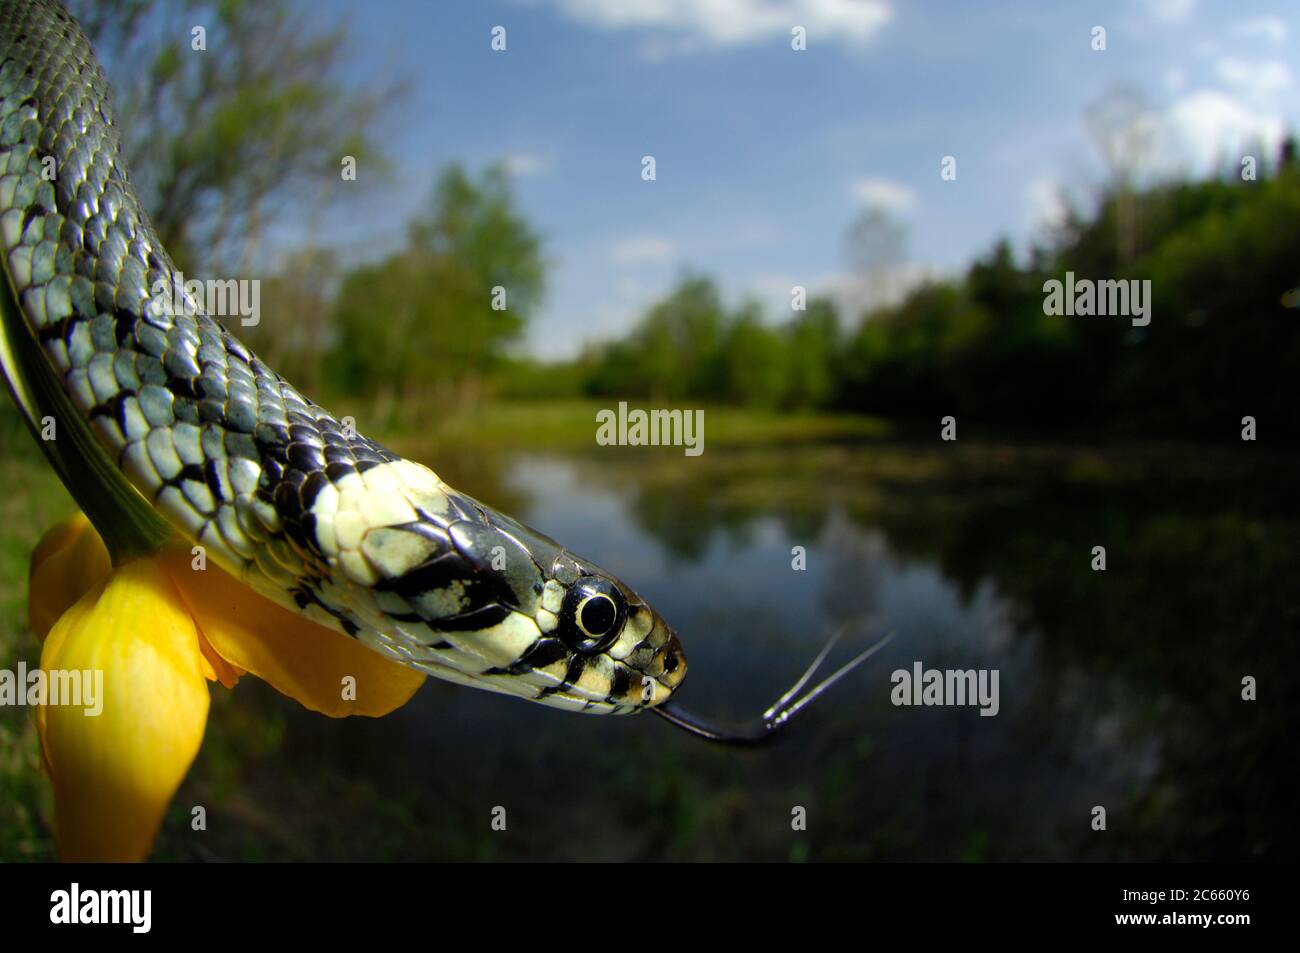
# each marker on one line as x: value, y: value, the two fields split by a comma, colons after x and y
x: 1119, y: 689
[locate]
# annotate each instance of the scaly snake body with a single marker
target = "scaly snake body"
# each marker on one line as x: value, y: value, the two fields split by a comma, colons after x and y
x: 276, y: 490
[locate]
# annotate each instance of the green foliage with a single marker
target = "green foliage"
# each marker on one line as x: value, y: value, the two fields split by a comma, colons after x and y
x: 529, y: 378
x: 678, y: 347
x: 691, y: 346
x: 425, y: 319
x: 754, y: 361
x: 298, y: 302
x: 32, y: 501
x: 813, y: 355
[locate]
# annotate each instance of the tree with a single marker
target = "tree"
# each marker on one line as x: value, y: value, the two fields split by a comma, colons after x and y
x: 1126, y: 133
x: 298, y: 302
x: 876, y: 248
x: 812, y: 355
x: 679, y: 344
x: 755, y: 361
x: 433, y: 318
x: 250, y: 130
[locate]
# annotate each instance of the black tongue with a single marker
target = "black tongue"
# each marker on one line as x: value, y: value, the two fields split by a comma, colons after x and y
x: 756, y: 732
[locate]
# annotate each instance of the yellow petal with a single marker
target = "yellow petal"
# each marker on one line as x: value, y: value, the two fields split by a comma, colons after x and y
x: 115, y: 773
x: 215, y: 668
x: 67, y: 562
x: 320, y: 668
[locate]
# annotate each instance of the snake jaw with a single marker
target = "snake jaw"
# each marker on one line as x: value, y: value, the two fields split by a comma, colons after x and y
x: 667, y: 666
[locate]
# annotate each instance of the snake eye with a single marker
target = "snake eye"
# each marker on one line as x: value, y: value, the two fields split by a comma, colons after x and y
x: 596, y: 615
x: 592, y: 615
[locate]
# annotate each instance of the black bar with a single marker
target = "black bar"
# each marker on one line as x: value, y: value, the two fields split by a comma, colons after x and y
x: 248, y: 902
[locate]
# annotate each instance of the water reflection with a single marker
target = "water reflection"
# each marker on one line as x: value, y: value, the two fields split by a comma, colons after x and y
x: 1117, y: 688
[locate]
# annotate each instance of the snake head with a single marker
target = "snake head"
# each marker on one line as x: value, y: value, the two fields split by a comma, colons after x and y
x: 534, y: 620
x: 612, y: 636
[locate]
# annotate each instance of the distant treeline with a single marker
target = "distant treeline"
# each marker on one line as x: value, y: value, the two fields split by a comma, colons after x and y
x: 1220, y: 340
x: 1223, y: 339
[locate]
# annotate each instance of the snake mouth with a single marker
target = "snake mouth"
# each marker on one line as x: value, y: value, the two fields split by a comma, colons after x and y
x: 650, y: 649
x: 667, y: 668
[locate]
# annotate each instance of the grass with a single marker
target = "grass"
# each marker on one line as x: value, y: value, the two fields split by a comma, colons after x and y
x: 31, y: 500
x: 571, y: 425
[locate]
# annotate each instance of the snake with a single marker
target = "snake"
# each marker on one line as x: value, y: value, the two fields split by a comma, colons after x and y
x: 171, y: 421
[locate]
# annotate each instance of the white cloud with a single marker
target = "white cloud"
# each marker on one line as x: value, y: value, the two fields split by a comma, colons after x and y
x: 1208, y: 123
x: 1170, y: 11
x: 522, y: 165
x: 735, y: 22
x: 639, y: 249
x: 1273, y: 29
x: 884, y: 193
x: 1254, y: 77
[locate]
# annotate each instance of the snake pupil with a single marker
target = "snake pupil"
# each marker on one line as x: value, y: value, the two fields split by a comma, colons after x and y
x: 592, y: 615
x: 597, y: 615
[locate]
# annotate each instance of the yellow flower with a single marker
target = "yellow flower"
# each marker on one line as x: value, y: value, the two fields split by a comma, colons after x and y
x: 159, y: 631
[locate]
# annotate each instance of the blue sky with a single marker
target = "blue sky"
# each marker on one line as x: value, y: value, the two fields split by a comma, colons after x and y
x: 765, y: 155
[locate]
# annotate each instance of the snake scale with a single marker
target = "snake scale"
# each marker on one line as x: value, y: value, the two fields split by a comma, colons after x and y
x: 277, y: 491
